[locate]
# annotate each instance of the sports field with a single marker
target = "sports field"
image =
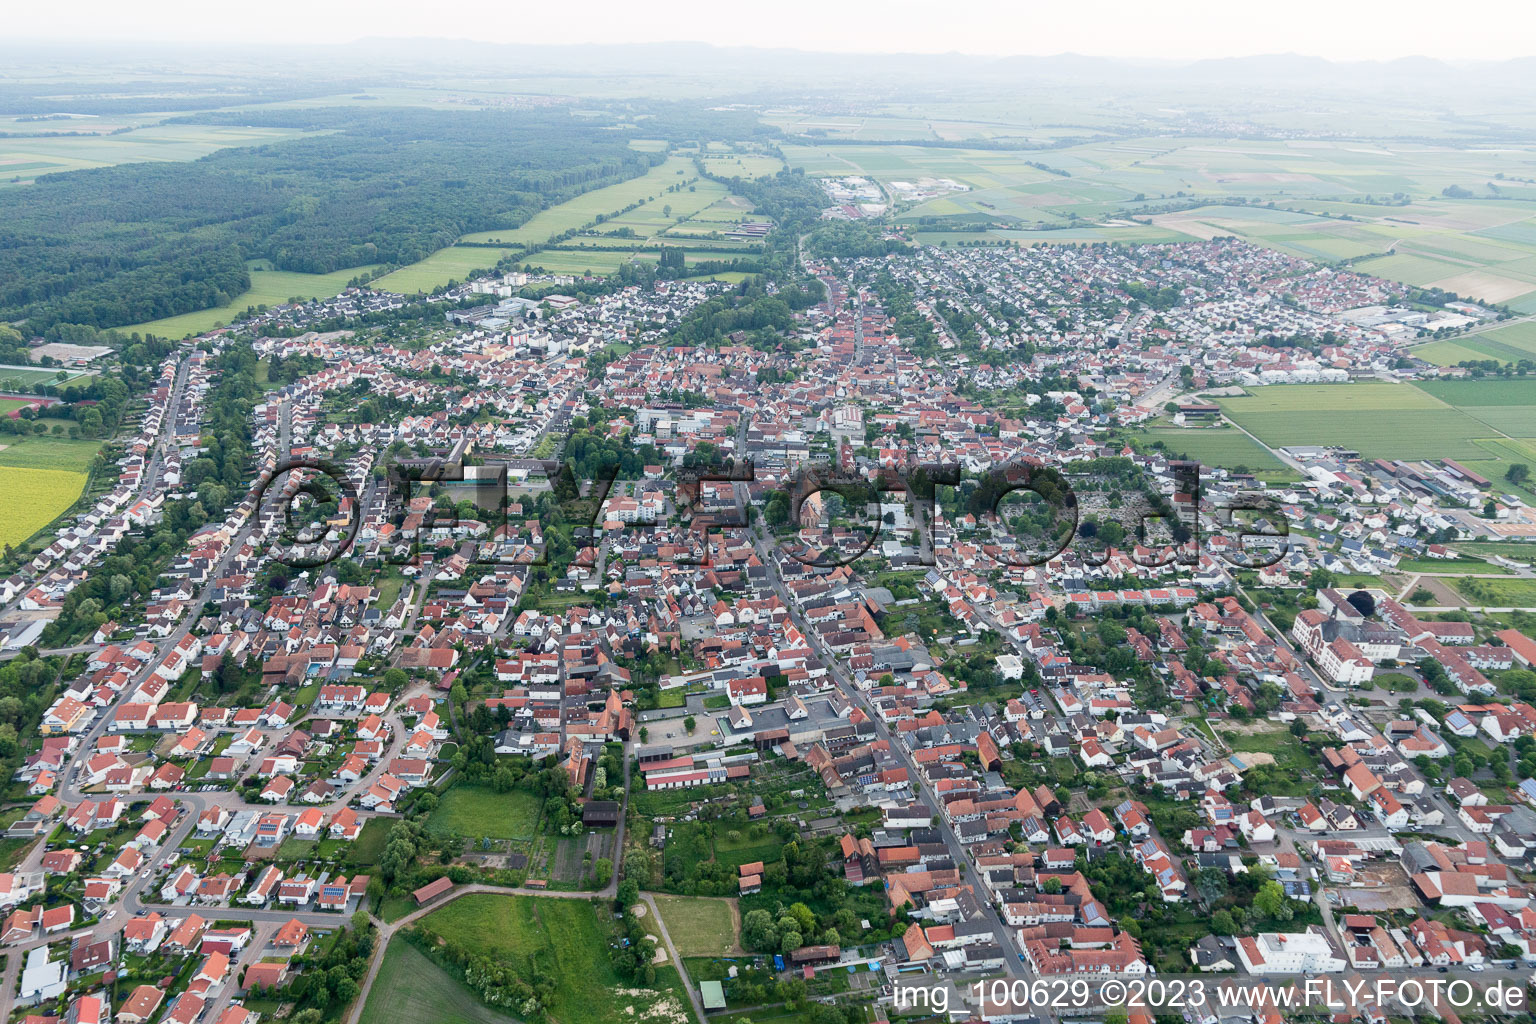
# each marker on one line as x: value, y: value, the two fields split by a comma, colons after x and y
x: 21, y: 376
x: 30, y: 499
x: 268, y: 288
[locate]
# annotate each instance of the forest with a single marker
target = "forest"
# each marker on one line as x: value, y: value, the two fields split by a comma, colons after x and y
x: 126, y: 244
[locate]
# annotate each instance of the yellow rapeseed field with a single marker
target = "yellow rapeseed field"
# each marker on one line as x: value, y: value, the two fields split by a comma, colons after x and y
x: 30, y: 499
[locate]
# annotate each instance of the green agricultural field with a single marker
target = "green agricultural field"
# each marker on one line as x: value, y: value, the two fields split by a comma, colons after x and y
x: 476, y: 811
x: 597, y: 262
x: 1129, y: 232
x: 1508, y: 344
x: 411, y: 989
x: 1216, y: 446
x: 1402, y: 434
x: 563, y: 940
x: 743, y: 165
x: 1320, y: 200
x: 1495, y: 282
x: 1521, y: 336
x: 44, y: 451
x: 454, y: 263
x: 1370, y: 395
x: 699, y: 926
x: 30, y: 499
x: 1449, y: 565
x: 268, y: 288
x: 1509, y: 406
x: 22, y: 160
x: 1380, y: 420
x: 1517, y: 550
x: 1462, y: 350
x: 727, y: 277
x: 575, y: 214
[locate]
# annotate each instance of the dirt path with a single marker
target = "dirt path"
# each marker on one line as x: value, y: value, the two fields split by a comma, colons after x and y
x: 735, y: 906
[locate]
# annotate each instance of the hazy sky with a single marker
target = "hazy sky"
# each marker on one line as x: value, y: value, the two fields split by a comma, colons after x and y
x: 1337, y: 29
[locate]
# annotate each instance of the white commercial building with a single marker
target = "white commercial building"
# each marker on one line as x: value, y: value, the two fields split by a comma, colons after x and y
x: 1289, y: 953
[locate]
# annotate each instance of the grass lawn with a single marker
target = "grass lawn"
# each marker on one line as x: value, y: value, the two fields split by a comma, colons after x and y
x: 33, y: 499
x: 370, y: 841
x: 411, y: 989
x: 294, y: 848
x: 746, y: 851
x: 480, y: 811
x: 389, y: 584
x: 396, y: 907
x: 698, y: 926
x: 13, y: 852
x: 561, y: 939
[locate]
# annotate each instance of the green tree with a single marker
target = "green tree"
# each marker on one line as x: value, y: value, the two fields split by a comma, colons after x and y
x: 1271, y: 901
x: 757, y: 931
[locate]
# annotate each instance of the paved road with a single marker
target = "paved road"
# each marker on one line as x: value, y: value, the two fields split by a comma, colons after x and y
x: 1015, y: 964
x: 150, y: 478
